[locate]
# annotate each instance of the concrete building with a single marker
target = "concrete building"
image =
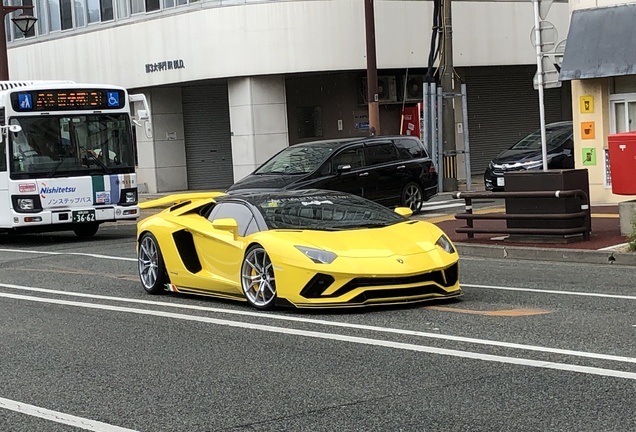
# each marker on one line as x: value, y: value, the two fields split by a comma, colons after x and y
x: 600, y: 61
x: 231, y: 82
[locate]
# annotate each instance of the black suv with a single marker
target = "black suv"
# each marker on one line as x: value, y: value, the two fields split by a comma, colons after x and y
x: 391, y: 170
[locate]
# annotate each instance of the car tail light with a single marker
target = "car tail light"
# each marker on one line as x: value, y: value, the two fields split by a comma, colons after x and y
x: 431, y: 169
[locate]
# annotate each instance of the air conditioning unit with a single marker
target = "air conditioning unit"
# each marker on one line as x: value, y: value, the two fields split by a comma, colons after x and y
x: 412, y: 88
x: 387, y: 89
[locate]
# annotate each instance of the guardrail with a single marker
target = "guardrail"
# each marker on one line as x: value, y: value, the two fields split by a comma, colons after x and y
x: 583, y: 215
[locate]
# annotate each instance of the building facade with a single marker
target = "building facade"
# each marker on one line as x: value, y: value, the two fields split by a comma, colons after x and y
x: 231, y: 82
x: 600, y: 61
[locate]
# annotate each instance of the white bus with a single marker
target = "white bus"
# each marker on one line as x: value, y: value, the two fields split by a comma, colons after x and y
x: 68, y: 156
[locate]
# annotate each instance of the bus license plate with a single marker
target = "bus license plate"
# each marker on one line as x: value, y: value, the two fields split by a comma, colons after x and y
x: 81, y: 216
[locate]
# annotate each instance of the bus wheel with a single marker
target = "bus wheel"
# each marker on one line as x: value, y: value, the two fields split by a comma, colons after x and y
x: 86, y: 230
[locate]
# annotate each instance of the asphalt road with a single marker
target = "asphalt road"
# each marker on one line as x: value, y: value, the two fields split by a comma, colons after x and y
x: 532, y: 346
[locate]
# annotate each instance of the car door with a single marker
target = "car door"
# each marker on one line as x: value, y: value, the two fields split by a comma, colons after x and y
x: 385, y: 172
x: 221, y: 254
x: 354, y: 180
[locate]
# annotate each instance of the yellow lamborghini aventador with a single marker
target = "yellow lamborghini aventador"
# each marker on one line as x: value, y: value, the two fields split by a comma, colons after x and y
x: 309, y: 248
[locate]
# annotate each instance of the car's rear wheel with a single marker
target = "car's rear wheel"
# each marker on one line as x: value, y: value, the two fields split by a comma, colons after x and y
x: 257, y: 278
x: 152, y: 270
x: 413, y: 197
x: 86, y: 230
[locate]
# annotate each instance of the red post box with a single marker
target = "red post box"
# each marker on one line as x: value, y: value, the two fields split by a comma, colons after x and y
x: 622, y: 158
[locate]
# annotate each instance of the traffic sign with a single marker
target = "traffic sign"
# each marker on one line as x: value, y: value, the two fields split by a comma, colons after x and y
x: 550, y: 75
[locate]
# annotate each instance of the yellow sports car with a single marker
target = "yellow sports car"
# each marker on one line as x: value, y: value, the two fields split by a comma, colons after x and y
x: 308, y: 249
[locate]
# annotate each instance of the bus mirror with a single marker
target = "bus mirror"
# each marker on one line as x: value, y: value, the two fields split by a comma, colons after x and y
x: 15, y: 128
x: 143, y: 115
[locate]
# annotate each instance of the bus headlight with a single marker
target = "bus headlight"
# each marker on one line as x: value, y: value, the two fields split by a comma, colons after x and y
x: 26, y: 204
x: 128, y: 196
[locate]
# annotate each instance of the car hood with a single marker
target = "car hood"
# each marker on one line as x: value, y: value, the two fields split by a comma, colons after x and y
x: 402, y: 239
x: 513, y: 156
x: 265, y: 181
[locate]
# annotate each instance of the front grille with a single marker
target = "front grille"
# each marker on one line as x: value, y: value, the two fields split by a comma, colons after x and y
x: 317, y: 285
x: 429, y: 283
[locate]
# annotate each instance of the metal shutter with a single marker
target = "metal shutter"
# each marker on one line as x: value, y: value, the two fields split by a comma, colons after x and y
x: 503, y: 107
x: 208, y: 145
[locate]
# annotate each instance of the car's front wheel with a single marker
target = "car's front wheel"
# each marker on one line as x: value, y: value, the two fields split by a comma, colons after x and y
x: 257, y: 278
x: 152, y: 270
x: 413, y: 197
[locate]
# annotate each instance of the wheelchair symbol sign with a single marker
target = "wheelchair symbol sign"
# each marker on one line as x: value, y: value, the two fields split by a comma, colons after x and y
x: 25, y: 101
x: 113, y: 99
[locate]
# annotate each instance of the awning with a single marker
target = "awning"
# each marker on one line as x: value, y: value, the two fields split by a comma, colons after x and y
x: 601, y: 43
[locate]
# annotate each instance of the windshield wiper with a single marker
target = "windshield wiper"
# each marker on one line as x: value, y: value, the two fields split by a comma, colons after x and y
x: 366, y: 225
x: 88, y: 153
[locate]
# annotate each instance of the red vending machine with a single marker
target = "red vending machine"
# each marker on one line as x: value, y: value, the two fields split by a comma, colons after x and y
x: 622, y: 158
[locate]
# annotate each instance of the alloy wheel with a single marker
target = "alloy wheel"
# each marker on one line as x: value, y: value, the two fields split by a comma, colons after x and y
x: 257, y: 278
x: 148, y: 260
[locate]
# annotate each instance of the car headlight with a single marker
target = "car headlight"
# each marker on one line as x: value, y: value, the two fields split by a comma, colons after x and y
x: 318, y: 256
x: 26, y: 204
x: 444, y: 243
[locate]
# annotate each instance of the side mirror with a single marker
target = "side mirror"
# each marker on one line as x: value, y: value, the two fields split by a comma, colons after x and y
x: 226, y: 224
x: 15, y: 128
x: 343, y: 169
x: 404, y: 211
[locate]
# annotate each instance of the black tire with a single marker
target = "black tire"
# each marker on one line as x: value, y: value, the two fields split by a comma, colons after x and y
x: 86, y: 230
x: 257, y: 266
x: 152, y: 270
x: 413, y: 197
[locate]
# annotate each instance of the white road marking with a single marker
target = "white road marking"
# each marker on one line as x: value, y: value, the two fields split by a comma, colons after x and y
x: 68, y: 253
x: 338, y: 337
x: 439, y: 206
x: 58, y: 417
x: 304, y: 320
x: 542, y: 291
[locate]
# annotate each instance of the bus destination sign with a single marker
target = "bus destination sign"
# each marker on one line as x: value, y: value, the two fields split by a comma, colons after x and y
x: 67, y: 100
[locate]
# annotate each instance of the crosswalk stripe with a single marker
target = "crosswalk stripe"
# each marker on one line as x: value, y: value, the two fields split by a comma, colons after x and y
x: 433, y: 206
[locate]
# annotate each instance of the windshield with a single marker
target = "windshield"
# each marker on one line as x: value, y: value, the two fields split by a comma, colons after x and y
x: 554, y: 137
x: 297, y: 159
x: 324, y: 212
x: 54, y: 146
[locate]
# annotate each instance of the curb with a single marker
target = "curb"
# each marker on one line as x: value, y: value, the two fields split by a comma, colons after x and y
x: 545, y: 254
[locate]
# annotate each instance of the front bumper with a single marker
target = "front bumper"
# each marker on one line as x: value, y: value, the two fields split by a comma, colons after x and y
x: 324, y: 289
x: 62, y: 218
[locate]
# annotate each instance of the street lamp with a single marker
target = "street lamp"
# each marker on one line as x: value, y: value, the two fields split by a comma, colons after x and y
x: 23, y: 22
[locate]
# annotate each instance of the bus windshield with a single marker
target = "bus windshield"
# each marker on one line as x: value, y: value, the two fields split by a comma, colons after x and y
x: 71, y: 145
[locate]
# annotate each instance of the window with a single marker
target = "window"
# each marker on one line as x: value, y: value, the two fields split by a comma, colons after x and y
x: 309, y: 121
x: 152, y: 5
x: 106, y: 10
x: 352, y: 156
x: 80, y: 14
x: 55, y: 23
x: 122, y: 9
x: 410, y: 149
x: 379, y: 153
x: 66, y: 14
x: 136, y: 6
x: 239, y: 212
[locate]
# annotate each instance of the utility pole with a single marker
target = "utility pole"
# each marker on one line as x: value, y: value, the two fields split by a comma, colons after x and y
x: 449, y: 170
x: 372, y: 70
